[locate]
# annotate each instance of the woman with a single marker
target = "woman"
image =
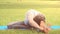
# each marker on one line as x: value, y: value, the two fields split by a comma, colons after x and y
x: 33, y: 19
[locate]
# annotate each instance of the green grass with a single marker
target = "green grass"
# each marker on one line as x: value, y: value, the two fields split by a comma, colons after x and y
x: 9, y: 15
x: 13, y: 11
x: 27, y: 32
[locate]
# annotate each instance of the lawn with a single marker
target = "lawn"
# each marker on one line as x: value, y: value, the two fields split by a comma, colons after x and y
x: 10, y: 12
x: 27, y: 32
x: 9, y: 15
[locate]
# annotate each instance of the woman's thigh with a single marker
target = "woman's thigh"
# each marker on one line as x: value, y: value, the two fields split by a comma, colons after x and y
x: 18, y: 25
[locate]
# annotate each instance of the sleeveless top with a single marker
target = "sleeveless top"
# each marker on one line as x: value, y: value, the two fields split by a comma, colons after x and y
x: 33, y: 12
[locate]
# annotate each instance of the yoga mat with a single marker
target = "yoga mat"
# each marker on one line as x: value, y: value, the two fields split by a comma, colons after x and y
x: 55, y: 27
x: 5, y: 27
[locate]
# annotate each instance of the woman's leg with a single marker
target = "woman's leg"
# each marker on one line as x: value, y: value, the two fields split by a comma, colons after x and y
x: 17, y: 25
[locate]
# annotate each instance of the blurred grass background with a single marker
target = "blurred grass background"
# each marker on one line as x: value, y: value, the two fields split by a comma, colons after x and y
x: 14, y: 10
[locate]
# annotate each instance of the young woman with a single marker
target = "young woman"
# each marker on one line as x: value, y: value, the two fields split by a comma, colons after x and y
x: 33, y: 19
